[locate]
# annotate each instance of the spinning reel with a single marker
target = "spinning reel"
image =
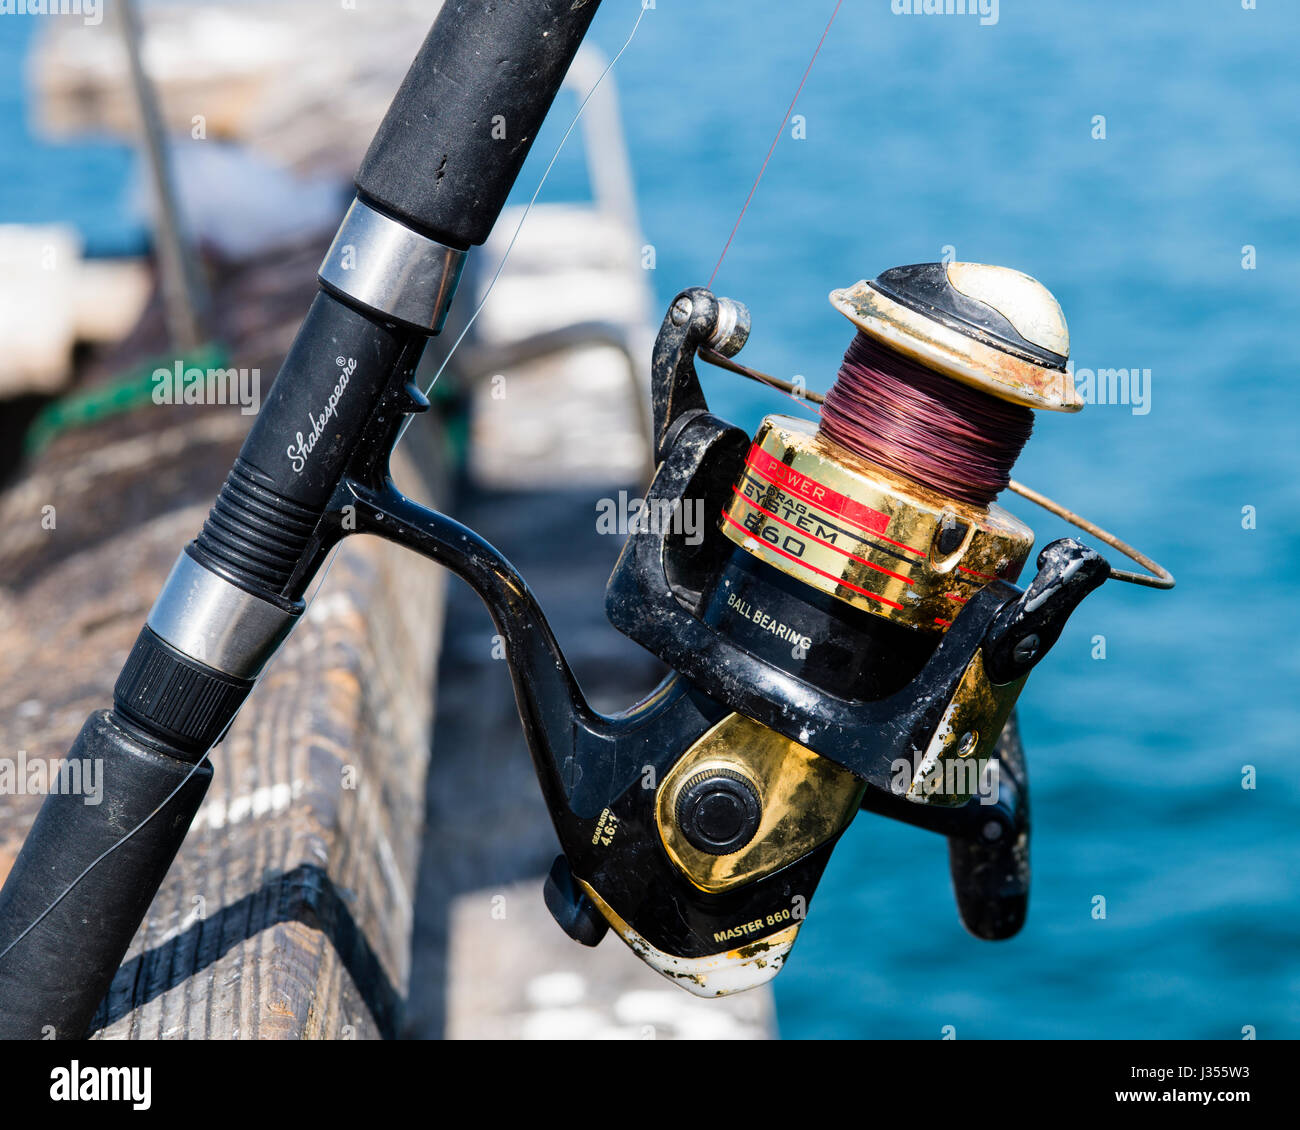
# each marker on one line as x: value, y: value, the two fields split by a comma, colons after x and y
x: 842, y: 637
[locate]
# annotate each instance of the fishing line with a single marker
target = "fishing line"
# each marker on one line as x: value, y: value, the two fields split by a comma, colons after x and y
x: 796, y: 392
x: 897, y: 414
x: 772, y: 148
x: 103, y: 856
x: 325, y: 571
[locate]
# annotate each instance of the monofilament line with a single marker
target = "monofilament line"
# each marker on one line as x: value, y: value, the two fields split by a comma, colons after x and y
x: 772, y: 148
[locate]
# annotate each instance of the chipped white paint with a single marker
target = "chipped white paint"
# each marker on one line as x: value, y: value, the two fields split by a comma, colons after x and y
x: 933, y: 752
x: 1025, y: 302
x: 717, y: 974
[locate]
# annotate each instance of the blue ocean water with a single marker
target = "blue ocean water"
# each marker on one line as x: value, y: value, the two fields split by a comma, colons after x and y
x: 86, y: 184
x: 926, y: 132
x: 933, y: 132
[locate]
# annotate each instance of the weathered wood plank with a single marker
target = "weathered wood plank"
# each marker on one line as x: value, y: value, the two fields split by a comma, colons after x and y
x: 299, y: 869
x: 288, y: 912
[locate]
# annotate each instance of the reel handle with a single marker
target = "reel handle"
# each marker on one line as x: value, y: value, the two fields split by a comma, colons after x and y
x: 989, y: 864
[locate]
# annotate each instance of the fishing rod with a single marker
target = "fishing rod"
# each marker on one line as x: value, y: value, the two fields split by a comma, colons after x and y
x: 846, y: 635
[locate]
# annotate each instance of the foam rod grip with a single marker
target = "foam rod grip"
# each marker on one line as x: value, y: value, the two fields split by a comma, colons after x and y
x: 53, y: 979
x: 453, y: 141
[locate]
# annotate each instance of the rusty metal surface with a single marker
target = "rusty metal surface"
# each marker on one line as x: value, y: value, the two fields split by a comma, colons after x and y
x: 954, y: 354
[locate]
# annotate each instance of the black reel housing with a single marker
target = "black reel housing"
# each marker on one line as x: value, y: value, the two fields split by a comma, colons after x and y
x: 866, y: 692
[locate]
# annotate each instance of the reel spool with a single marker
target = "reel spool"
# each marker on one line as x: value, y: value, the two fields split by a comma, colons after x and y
x: 888, y: 505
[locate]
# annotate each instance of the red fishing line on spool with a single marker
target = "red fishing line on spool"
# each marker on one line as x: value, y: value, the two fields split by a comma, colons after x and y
x: 945, y: 435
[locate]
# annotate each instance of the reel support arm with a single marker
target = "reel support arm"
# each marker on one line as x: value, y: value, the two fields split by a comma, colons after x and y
x: 557, y: 720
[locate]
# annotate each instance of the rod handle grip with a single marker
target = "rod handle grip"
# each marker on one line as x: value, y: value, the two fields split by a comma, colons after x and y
x: 52, y: 980
x: 452, y: 143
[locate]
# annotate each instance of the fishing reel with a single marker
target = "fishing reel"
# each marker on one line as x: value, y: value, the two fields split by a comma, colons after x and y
x: 842, y: 637
x: 846, y: 634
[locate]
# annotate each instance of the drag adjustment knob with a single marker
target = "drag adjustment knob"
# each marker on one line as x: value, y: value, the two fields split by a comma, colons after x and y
x: 719, y: 811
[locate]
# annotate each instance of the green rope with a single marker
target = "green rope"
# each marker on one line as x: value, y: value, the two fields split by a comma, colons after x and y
x: 123, y: 394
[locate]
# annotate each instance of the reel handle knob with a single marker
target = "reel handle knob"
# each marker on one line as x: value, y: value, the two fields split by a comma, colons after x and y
x: 990, y: 869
